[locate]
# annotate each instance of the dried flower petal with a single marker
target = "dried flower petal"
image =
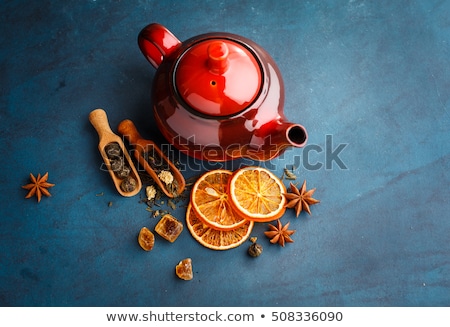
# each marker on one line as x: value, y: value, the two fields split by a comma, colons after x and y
x: 150, y: 191
x: 166, y: 177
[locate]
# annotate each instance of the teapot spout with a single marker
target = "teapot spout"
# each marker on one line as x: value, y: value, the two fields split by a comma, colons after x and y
x: 292, y: 135
x: 270, y: 142
x: 282, y: 136
x: 285, y: 135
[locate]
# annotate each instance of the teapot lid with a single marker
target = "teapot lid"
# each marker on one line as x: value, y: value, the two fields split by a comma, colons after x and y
x: 218, y: 77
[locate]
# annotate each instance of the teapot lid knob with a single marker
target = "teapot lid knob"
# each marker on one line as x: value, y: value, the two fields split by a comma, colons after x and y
x: 218, y: 57
x: 218, y: 77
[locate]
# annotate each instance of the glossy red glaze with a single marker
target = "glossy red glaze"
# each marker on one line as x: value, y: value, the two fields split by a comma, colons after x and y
x: 218, y: 60
x: 208, y: 77
x: 156, y: 42
x: 211, y: 122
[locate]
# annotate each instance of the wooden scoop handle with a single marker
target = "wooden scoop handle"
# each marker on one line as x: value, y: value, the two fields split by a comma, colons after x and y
x: 129, y: 131
x: 100, y: 122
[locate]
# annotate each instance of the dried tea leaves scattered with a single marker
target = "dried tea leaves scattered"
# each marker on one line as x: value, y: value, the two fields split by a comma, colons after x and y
x: 162, y: 170
x: 155, y: 198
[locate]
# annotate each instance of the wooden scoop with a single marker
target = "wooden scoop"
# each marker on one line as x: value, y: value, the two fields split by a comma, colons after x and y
x: 99, y: 120
x: 129, y: 131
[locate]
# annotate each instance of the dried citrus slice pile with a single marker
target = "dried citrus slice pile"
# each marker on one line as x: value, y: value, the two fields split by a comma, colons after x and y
x: 216, y: 239
x: 257, y: 194
x: 210, y: 201
x: 224, y: 205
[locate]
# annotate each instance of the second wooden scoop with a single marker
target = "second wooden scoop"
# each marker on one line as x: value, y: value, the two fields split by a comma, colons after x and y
x: 106, y: 136
x: 129, y: 131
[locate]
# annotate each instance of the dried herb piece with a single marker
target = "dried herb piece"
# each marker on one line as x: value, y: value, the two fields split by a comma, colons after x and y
x: 289, y: 174
x: 117, y: 164
x: 255, y: 249
x: 162, y: 170
x: 117, y: 161
x: 113, y: 150
x: 129, y: 184
x: 173, y: 188
x: 155, y: 161
x: 124, y: 172
x: 172, y: 204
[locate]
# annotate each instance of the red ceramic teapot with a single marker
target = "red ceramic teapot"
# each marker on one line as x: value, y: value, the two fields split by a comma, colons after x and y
x: 218, y: 96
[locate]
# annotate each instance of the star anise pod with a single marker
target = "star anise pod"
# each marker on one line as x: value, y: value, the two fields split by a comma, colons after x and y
x: 280, y: 234
x: 300, y: 199
x: 38, y: 186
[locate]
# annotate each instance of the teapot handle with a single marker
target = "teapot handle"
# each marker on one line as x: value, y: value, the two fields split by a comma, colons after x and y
x: 156, y: 42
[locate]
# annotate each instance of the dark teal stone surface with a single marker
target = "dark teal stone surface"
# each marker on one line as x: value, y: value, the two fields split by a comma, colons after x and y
x: 370, y: 80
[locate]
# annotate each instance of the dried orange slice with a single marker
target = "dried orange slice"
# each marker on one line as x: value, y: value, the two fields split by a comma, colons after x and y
x: 216, y: 239
x: 257, y: 194
x: 210, y: 201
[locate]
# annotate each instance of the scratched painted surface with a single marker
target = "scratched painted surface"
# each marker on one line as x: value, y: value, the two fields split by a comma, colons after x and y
x: 369, y: 80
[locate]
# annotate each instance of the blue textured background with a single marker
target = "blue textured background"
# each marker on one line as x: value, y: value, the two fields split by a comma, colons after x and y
x: 374, y: 75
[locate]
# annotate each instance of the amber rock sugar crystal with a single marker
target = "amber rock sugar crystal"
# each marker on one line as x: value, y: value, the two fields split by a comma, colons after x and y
x: 169, y: 228
x: 146, y: 239
x: 184, y: 269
